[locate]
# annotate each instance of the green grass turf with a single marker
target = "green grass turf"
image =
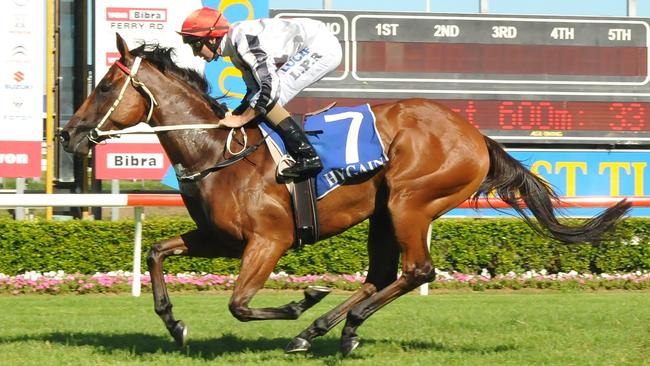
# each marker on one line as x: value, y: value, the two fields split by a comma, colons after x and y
x: 457, y: 328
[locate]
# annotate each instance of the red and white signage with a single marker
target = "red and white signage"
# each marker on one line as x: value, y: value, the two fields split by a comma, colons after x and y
x: 22, y: 79
x: 151, y: 21
x: 130, y: 161
x: 136, y: 14
x: 20, y: 158
x: 154, y: 22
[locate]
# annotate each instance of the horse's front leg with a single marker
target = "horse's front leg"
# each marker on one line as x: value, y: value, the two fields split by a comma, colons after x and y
x: 259, y: 259
x: 162, y: 305
x: 192, y: 243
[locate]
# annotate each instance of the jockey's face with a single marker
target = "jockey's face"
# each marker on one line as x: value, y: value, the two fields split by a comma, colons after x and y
x: 207, y: 54
x: 200, y: 48
x: 212, y: 50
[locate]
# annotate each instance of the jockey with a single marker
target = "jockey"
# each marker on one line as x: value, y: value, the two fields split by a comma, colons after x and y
x: 278, y: 58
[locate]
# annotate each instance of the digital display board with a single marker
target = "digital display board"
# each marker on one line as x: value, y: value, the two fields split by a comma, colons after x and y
x: 532, y: 120
x: 517, y: 78
x: 529, y: 62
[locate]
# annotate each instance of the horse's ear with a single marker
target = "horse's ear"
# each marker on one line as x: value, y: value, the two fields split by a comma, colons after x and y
x: 122, y: 46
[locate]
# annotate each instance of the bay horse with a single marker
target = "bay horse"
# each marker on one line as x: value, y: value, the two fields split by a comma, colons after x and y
x: 437, y: 160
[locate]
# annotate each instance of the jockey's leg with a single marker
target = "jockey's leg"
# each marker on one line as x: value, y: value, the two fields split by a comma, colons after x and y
x: 308, y: 66
x: 307, y: 160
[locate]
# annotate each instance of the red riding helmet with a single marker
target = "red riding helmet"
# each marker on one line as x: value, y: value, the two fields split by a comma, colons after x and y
x: 205, y: 22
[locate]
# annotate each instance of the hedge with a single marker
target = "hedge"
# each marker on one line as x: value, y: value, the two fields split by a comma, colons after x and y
x: 463, y: 245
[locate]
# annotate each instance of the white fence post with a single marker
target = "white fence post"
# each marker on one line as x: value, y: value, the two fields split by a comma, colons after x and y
x: 20, y: 189
x: 115, y: 189
x: 424, y: 288
x: 137, y: 251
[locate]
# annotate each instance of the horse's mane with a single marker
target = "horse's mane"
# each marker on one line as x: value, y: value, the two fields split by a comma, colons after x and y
x: 161, y: 57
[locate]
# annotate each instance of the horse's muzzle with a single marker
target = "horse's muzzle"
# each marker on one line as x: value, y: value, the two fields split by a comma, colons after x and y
x: 64, y: 137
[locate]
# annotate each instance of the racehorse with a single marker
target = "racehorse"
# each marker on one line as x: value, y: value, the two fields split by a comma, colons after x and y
x: 437, y: 160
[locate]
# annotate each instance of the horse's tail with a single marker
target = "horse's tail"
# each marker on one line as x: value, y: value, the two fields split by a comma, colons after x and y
x: 512, y: 182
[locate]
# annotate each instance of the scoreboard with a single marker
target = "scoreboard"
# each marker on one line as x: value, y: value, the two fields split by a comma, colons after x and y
x: 542, y: 79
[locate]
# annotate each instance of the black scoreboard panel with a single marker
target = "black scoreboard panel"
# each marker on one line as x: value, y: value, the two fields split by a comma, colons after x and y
x: 517, y: 78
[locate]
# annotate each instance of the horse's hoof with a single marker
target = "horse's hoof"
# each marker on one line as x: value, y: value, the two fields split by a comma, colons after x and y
x: 180, y: 333
x: 297, y: 345
x: 317, y: 293
x: 348, y: 345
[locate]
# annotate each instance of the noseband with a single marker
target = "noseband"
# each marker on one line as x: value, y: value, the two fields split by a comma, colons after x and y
x: 96, y: 133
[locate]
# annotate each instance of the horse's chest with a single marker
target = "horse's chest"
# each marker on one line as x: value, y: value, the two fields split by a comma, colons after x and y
x: 235, y: 204
x: 210, y: 211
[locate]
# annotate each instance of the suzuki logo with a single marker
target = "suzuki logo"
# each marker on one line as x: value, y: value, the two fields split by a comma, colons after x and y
x: 19, y: 52
x: 19, y: 76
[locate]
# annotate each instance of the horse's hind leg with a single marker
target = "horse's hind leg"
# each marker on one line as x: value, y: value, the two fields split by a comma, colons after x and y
x: 383, y: 256
x: 192, y: 244
x: 411, y: 228
x: 260, y: 257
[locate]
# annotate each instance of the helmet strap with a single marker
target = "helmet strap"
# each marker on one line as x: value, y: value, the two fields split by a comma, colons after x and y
x: 213, y: 47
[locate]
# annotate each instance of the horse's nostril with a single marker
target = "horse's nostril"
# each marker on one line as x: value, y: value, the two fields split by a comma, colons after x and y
x: 64, y: 136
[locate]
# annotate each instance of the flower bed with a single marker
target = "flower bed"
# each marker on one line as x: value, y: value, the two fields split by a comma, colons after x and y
x: 542, y: 280
x: 120, y: 282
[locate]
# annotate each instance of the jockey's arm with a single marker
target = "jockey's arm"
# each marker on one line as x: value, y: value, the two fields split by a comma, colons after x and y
x: 276, y: 115
x: 235, y: 121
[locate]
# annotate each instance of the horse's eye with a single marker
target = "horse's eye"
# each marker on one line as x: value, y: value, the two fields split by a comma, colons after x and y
x: 105, y: 86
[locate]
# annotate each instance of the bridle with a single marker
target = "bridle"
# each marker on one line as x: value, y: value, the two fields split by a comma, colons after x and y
x: 96, y: 133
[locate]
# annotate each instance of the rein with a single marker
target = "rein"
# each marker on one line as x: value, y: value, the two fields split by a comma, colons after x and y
x: 95, y: 134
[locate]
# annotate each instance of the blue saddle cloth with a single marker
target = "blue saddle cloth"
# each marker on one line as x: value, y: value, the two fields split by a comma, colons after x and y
x: 349, y: 144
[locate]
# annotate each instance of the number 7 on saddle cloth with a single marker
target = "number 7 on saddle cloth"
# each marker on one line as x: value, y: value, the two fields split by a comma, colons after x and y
x: 349, y: 144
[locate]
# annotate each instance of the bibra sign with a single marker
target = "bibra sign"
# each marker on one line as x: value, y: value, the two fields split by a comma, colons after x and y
x: 151, y: 21
x: 135, y: 161
x: 130, y: 161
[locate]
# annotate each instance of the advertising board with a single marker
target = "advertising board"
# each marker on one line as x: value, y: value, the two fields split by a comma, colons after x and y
x: 22, y: 74
x: 584, y: 173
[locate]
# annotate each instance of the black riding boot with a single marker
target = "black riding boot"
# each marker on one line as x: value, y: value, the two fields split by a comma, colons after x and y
x: 307, y: 161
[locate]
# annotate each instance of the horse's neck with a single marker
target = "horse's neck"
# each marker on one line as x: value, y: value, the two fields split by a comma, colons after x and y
x: 193, y: 151
x: 190, y: 149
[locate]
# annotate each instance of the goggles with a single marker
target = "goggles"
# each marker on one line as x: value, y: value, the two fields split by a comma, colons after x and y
x: 195, y: 43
